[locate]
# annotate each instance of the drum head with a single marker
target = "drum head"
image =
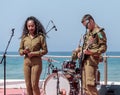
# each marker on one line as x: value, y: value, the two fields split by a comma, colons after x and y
x: 50, y: 85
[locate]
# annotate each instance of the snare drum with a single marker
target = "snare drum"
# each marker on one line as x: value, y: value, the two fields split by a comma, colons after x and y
x: 50, y: 84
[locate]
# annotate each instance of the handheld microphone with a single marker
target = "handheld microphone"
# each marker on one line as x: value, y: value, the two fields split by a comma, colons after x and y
x: 27, y: 48
x: 54, y: 25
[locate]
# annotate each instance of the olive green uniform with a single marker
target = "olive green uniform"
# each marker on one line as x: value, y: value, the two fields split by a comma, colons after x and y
x: 90, y: 62
x: 33, y: 65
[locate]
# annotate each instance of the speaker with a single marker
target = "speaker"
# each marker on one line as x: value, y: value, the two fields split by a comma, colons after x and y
x: 109, y: 90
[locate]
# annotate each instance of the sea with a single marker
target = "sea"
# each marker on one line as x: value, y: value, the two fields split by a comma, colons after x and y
x: 11, y: 66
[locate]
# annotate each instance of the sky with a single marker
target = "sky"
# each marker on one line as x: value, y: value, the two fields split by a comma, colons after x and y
x: 66, y: 15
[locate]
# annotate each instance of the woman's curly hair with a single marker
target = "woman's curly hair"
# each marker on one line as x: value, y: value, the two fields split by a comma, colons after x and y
x: 38, y: 25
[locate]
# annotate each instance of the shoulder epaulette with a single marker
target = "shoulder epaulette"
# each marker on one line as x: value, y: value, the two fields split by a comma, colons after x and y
x: 101, y: 29
x: 99, y: 33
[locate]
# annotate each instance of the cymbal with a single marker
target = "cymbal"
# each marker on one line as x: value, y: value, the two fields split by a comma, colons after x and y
x: 49, y: 59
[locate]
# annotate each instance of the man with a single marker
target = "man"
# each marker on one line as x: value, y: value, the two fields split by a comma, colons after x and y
x: 89, y: 53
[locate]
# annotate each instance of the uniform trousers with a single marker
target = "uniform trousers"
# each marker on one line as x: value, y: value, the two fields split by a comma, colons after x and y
x: 89, y: 79
x: 32, y: 72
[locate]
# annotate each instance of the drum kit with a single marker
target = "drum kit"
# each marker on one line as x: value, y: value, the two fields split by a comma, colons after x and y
x: 65, y: 81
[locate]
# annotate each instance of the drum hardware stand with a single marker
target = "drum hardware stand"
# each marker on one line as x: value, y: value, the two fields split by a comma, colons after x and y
x: 4, y: 59
x: 48, y: 69
x: 50, y: 65
x: 58, y: 87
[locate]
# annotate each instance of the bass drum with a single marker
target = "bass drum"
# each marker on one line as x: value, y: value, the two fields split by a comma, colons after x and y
x: 50, y: 84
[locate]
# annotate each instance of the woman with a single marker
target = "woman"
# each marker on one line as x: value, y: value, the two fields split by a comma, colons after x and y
x: 33, y: 45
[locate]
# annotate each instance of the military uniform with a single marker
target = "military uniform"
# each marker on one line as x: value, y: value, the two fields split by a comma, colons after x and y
x: 33, y: 65
x: 95, y: 41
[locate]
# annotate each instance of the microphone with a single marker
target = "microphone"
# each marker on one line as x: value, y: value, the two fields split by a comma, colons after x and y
x: 87, y: 22
x: 27, y: 48
x: 13, y: 31
x: 54, y: 25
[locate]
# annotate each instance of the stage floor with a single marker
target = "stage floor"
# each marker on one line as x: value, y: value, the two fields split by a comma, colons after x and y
x: 16, y: 91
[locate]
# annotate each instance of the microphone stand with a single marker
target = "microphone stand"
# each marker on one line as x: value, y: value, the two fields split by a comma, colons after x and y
x: 80, y: 61
x: 4, y: 59
x: 50, y: 29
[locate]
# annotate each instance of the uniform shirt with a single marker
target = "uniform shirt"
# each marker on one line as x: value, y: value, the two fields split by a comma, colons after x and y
x: 37, y: 46
x: 95, y: 41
